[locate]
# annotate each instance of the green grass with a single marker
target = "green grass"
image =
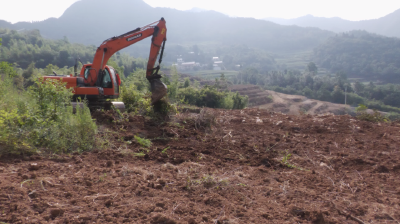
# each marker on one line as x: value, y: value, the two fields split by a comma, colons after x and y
x: 143, y: 142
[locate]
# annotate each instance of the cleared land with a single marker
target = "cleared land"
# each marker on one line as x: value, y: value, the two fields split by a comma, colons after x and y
x: 214, y: 166
x: 289, y: 104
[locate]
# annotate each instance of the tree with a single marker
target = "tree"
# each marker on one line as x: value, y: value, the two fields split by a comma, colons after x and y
x: 50, y: 69
x: 7, y: 69
x: 392, y: 99
x: 308, y: 92
x: 29, y: 74
x: 358, y: 87
x: 312, y: 68
x: 239, y: 102
x: 187, y: 83
x: 222, y: 78
x: 338, y: 95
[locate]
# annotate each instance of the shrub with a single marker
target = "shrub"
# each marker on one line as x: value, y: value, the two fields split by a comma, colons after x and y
x: 135, y: 101
x: 212, y: 97
x: 143, y: 142
x: 164, y: 108
x: 50, y: 96
x: 376, y: 116
x: 43, y: 118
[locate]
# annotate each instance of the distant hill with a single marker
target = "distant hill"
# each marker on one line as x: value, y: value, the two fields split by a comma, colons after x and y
x: 92, y: 21
x: 195, y: 9
x: 361, y: 55
x: 387, y: 25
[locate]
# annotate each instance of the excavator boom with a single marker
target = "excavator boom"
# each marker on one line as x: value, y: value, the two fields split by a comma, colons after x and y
x: 109, y: 47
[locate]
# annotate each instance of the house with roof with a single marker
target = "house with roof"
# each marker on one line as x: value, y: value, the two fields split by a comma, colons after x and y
x: 218, y: 64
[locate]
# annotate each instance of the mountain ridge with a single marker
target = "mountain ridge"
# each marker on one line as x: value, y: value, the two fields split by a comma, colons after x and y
x: 386, y: 25
x: 81, y: 25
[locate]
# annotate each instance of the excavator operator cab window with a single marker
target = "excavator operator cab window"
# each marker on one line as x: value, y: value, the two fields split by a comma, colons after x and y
x: 106, y: 79
x: 87, y: 72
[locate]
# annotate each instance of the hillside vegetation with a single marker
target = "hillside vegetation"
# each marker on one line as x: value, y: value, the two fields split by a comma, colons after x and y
x: 29, y: 48
x: 361, y: 54
x: 208, y: 28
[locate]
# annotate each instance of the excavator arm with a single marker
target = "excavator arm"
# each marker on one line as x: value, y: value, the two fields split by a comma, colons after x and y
x: 109, y: 47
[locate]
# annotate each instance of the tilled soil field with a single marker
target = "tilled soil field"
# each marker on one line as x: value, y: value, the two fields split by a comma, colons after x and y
x: 214, y: 166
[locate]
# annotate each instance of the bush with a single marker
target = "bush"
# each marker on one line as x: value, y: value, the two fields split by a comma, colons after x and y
x: 376, y: 116
x: 212, y: 97
x: 43, y: 118
x: 135, y: 101
x: 377, y: 105
x: 354, y: 99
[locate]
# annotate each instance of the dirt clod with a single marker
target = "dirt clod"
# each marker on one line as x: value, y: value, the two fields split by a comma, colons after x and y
x: 56, y: 212
x: 34, y: 166
x: 109, y: 163
x: 161, y: 219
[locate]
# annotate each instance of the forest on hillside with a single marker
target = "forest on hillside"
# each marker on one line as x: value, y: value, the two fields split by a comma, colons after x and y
x: 25, y: 47
x: 361, y: 54
x: 335, y: 88
x: 29, y: 48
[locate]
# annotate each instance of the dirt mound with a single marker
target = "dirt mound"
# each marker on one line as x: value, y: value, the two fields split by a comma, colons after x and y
x: 289, y: 104
x: 215, y: 166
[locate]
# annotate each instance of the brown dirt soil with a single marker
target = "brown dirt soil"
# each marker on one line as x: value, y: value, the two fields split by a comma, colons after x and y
x: 251, y: 166
x: 289, y: 104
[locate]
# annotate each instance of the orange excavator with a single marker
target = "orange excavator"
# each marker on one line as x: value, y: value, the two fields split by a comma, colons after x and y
x: 98, y: 82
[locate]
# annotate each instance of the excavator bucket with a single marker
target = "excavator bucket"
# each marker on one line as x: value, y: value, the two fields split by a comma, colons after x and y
x: 158, y: 90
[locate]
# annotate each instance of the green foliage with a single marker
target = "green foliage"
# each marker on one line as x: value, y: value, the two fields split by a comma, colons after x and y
x: 135, y: 101
x: 51, y: 96
x: 376, y: 116
x: 361, y: 108
x: 329, y: 88
x: 210, y: 96
x: 164, y: 108
x: 50, y: 69
x: 312, y: 68
x: 139, y: 154
x: 174, y: 84
x: 136, y: 95
x: 138, y: 78
x: 186, y: 83
x: 43, y: 118
x: 165, y: 150
x: 285, y: 160
x: 239, y: 102
x: 361, y: 54
x: 7, y: 69
x: 27, y: 47
x: 143, y: 142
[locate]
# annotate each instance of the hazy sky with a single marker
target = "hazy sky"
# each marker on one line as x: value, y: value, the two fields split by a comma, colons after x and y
x: 36, y: 10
